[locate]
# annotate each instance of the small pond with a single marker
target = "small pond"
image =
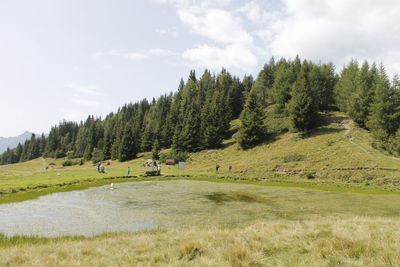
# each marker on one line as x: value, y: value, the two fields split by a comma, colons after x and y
x: 137, y: 206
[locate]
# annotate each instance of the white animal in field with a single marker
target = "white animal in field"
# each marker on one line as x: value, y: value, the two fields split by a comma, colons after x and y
x: 112, y: 186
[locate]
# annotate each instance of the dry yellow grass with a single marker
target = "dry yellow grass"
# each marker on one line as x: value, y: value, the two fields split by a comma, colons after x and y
x: 337, y: 154
x: 346, y: 241
x: 329, y: 242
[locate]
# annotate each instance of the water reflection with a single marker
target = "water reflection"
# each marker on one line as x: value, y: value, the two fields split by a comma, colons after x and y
x: 147, y: 205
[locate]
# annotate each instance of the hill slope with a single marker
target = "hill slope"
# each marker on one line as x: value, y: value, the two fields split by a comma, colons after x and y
x: 336, y: 154
x: 337, y: 151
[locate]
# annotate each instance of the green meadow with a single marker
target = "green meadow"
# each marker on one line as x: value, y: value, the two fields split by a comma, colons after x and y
x: 335, y: 161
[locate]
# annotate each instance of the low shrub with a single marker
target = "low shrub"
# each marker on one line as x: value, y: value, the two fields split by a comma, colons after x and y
x: 71, y: 162
x: 59, y: 154
x: 310, y: 175
x: 176, y: 155
x: 293, y: 158
x: 97, y: 155
x: 71, y: 155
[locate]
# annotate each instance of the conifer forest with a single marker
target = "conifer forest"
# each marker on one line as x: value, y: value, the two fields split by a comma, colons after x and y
x: 197, y: 115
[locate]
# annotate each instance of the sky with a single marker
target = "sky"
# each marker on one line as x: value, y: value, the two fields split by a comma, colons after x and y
x: 66, y: 59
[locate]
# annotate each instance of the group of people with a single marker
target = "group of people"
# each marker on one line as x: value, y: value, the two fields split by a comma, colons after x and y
x: 217, y: 166
x: 156, y: 167
x: 101, y: 168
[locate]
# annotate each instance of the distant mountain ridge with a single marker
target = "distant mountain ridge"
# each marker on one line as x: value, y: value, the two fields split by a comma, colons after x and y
x: 12, y: 142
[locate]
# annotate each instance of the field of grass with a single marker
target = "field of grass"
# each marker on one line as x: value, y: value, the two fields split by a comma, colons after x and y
x: 336, y: 156
x: 329, y: 242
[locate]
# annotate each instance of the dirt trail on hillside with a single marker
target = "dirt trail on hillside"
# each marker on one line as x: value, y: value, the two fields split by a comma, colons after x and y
x: 349, y: 125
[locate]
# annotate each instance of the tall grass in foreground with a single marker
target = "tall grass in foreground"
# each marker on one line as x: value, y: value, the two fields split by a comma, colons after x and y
x: 328, y: 242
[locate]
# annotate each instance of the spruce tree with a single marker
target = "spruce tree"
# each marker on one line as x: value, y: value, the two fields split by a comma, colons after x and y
x: 346, y: 86
x: 147, y: 138
x: 384, y: 120
x: 187, y: 136
x: 302, y: 109
x: 322, y: 80
x: 247, y: 83
x: 128, y: 146
x: 215, y: 123
x: 280, y: 91
x: 252, y: 130
x: 155, y: 151
x: 360, y: 104
x: 265, y: 80
x: 115, y: 148
x: 108, y: 141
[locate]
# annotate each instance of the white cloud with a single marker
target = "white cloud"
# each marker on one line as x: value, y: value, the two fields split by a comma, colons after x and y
x: 200, y: 3
x: 85, y: 95
x: 339, y: 30
x: 85, y: 89
x: 215, y: 58
x: 75, y: 115
x: 320, y: 30
x: 169, y: 32
x: 229, y: 43
x: 85, y: 102
x: 139, y: 55
x: 216, y: 24
x: 255, y: 13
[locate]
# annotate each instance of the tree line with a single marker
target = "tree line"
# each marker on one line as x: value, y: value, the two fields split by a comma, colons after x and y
x: 197, y: 116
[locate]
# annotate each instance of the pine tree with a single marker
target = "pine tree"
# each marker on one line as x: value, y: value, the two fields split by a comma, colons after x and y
x: 247, y: 82
x: 128, y: 146
x: 346, y: 86
x: 265, y: 80
x: 302, y: 109
x: 155, y: 151
x: 384, y: 120
x: 322, y: 82
x: 360, y: 104
x: 187, y: 136
x: 280, y: 91
x: 147, y: 138
x: 252, y: 130
x: 108, y: 140
x: 215, y: 123
x: 115, y: 148
x: 97, y: 155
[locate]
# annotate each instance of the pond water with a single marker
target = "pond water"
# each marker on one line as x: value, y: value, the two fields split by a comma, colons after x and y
x: 137, y: 206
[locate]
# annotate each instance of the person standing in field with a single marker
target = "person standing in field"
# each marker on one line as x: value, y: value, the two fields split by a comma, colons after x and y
x: 216, y: 167
x: 154, y: 165
x: 129, y: 170
x: 230, y: 168
x: 102, y: 168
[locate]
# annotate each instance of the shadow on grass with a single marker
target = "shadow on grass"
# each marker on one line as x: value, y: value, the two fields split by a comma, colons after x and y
x: 323, y: 130
x: 220, y: 197
x: 270, y: 138
x: 227, y: 144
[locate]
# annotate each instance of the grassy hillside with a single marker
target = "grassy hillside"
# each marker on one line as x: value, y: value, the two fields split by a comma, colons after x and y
x: 335, y: 154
